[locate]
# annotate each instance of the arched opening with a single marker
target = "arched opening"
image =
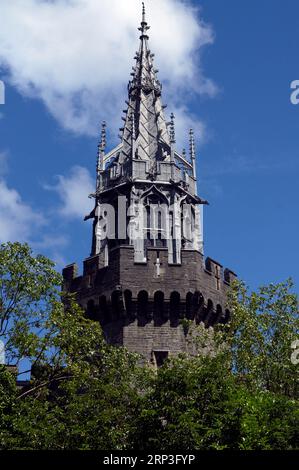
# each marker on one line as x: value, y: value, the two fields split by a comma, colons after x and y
x: 175, y: 300
x: 161, y: 222
x: 226, y: 316
x: 189, y: 306
x: 142, y: 303
x: 115, y: 302
x: 187, y: 222
x: 104, y: 315
x: 148, y: 225
x: 208, y: 312
x: 128, y: 302
x: 103, y: 304
x: 159, y: 303
x: 219, y: 313
x: 198, y: 306
x: 90, y: 310
x: 155, y: 220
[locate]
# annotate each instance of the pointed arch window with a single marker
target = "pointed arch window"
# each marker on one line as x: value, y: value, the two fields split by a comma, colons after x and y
x: 156, y: 213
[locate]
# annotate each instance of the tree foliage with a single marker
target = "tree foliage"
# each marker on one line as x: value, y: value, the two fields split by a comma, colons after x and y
x: 29, y: 286
x: 240, y: 392
x: 260, y: 334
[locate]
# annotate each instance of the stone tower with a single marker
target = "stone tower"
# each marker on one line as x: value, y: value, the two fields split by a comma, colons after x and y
x: 146, y: 271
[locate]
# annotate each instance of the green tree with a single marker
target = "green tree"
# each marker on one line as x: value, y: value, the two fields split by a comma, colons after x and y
x: 200, y: 404
x: 29, y: 285
x: 262, y: 328
x: 267, y: 421
x: 190, y: 407
x: 8, y: 392
x: 239, y: 392
x: 83, y: 393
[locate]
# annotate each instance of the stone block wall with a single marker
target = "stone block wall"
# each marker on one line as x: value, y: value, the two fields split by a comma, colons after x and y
x: 141, y: 306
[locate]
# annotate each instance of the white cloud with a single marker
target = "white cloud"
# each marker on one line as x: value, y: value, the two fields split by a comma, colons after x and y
x: 53, y: 244
x: 75, y: 55
x: 73, y: 191
x: 184, y: 120
x: 21, y: 222
x: 49, y: 241
x: 18, y: 221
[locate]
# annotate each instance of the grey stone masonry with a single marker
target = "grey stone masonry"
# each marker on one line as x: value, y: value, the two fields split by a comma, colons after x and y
x: 141, y: 308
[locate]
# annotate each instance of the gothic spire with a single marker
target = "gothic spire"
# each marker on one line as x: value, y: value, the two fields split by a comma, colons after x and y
x: 145, y: 123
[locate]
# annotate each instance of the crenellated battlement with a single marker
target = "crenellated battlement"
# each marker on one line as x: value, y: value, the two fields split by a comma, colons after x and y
x: 194, y: 289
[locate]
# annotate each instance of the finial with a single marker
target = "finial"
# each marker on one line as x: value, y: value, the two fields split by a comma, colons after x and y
x: 103, y: 137
x: 192, y: 152
x: 101, y: 147
x: 144, y: 27
x: 172, y: 129
x: 191, y: 143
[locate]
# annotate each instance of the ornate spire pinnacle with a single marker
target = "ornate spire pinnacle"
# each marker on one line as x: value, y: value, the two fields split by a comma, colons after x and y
x: 143, y: 25
x: 101, y: 148
x: 133, y: 136
x: 172, y: 129
x: 143, y: 13
x: 192, y: 152
x: 145, y: 124
x: 103, y: 137
x: 172, y: 142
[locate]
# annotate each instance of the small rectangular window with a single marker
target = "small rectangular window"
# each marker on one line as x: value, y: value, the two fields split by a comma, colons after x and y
x: 160, y: 357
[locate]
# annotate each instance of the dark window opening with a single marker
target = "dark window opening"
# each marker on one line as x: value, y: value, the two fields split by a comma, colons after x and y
x: 189, y: 305
x: 175, y: 299
x: 128, y: 301
x: 160, y: 357
x: 159, y: 303
x: 142, y: 303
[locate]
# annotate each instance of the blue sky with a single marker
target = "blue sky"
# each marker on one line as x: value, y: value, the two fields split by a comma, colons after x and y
x: 232, y: 78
